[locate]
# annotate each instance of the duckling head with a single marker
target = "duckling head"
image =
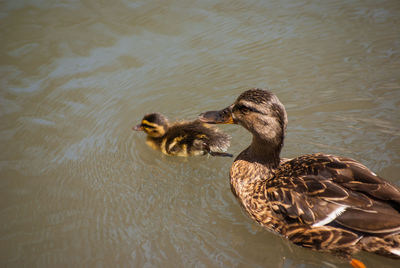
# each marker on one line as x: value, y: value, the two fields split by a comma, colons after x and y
x: 257, y: 110
x: 155, y: 125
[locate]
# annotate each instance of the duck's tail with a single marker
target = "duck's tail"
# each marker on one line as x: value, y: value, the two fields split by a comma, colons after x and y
x: 388, y: 246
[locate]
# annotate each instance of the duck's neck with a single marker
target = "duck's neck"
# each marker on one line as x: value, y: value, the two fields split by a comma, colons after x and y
x: 264, y: 152
x: 248, y: 174
x: 155, y: 143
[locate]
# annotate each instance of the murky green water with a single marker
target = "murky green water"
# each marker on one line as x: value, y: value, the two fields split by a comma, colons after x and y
x: 79, y: 188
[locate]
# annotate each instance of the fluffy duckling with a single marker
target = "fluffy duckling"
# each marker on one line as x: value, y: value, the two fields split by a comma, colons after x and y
x: 319, y: 201
x: 189, y: 138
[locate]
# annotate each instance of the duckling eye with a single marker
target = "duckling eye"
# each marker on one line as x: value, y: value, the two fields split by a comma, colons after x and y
x: 147, y: 126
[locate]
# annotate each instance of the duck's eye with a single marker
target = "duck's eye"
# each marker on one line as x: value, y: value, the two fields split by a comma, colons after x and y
x: 243, y: 109
x: 147, y: 126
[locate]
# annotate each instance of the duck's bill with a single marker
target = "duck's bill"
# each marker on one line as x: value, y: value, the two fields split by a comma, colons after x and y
x: 217, y: 117
x: 137, y: 128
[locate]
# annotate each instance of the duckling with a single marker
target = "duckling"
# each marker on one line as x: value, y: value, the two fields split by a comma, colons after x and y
x: 188, y: 138
x: 319, y: 201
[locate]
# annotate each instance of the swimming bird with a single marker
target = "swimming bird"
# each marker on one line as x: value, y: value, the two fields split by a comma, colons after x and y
x: 186, y: 138
x: 319, y: 201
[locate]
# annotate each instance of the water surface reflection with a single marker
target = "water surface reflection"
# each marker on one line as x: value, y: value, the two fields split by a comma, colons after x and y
x: 79, y: 188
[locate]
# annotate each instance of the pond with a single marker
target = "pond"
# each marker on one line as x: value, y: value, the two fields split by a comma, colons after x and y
x: 80, y: 188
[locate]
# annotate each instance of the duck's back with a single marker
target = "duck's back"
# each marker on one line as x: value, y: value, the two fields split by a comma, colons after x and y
x: 323, y: 190
x: 194, y: 138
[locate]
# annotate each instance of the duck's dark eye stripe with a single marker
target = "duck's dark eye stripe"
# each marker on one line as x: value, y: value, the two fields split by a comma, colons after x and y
x: 148, y: 126
x: 247, y: 108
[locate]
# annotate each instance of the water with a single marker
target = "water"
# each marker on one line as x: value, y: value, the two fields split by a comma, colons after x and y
x: 79, y: 188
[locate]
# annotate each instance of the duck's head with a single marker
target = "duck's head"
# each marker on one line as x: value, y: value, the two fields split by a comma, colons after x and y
x: 154, y: 124
x: 257, y: 110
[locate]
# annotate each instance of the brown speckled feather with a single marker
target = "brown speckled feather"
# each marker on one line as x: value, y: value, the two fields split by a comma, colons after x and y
x: 311, y: 188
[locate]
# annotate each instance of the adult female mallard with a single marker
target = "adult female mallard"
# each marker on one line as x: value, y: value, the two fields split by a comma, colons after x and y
x: 318, y: 201
x: 187, y: 138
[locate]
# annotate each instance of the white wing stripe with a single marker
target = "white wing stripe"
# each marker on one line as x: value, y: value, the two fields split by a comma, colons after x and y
x: 395, y: 251
x: 330, y: 217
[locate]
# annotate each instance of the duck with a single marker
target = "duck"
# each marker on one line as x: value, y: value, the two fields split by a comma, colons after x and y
x: 185, y: 138
x: 318, y: 201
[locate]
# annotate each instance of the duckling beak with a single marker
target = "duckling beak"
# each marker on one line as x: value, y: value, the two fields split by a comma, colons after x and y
x: 137, y: 128
x: 218, y: 117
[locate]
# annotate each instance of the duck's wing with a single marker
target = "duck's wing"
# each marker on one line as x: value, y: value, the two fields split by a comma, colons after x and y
x: 320, y: 190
